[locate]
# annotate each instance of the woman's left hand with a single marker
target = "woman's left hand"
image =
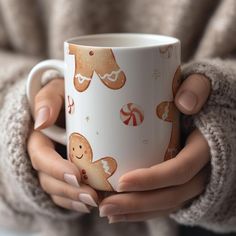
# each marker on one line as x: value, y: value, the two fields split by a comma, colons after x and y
x: 164, y: 188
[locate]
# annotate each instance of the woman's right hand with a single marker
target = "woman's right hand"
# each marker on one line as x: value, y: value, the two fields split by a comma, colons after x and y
x: 58, y: 177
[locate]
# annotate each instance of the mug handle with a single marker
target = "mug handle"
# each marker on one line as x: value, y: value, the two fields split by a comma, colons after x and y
x: 34, y: 84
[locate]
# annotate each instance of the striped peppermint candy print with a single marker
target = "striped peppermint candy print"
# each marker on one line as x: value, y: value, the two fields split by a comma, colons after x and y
x: 132, y: 114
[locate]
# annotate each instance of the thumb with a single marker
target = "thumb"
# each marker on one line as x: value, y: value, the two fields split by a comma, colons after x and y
x: 193, y: 94
x: 48, y: 103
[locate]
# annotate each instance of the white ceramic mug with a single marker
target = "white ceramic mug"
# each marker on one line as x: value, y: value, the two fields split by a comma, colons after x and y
x: 119, y: 92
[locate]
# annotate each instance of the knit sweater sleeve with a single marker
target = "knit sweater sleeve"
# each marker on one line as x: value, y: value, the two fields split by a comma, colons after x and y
x: 215, y: 208
x: 21, y: 198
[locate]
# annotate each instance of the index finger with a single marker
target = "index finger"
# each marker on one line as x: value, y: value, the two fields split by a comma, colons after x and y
x: 45, y: 159
x: 179, y: 170
x: 48, y: 103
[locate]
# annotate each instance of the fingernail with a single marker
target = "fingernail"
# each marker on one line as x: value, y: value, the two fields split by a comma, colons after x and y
x: 42, y: 116
x: 109, y: 209
x: 122, y: 187
x: 187, y: 100
x: 71, y: 179
x: 115, y: 219
x: 87, y: 199
x: 79, y: 206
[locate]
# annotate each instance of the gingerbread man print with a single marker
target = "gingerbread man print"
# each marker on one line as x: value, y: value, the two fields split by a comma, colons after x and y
x: 99, y: 60
x: 166, y: 51
x: 95, y: 173
x: 168, y: 112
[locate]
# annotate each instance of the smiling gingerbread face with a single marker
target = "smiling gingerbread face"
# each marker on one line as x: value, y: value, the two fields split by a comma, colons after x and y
x: 93, y: 173
x: 79, y: 149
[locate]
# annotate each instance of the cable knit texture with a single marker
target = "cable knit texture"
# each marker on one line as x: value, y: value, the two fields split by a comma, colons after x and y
x: 32, y: 30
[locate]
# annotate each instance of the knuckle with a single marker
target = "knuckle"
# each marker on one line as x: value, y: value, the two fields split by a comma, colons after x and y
x: 32, y: 150
x: 40, y: 96
x: 202, y: 180
x: 199, y: 188
x: 34, y: 163
x: 56, y: 82
x: 54, y: 172
x: 72, y: 169
x: 132, y: 204
x: 174, y: 201
x: 150, y: 180
x: 44, y: 98
x: 56, y: 200
x: 32, y: 141
x: 59, y: 84
x: 34, y: 159
x: 43, y: 182
x: 45, y: 95
x: 48, y: 147
x: 184, y: 174
x: 74, y: 195
x: 62, y: 192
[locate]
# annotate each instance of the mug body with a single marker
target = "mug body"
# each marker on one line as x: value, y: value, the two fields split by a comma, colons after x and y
x: 120, y: 113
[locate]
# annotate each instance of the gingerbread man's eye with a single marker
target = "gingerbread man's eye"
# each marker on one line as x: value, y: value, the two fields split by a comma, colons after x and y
x: 80, y: 146
x: 73, y: 149
x: 91, y: 53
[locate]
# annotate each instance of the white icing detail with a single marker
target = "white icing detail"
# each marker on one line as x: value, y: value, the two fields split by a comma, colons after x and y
x: 109, y: 76
x: 105, y: 167
x: 82, y: 78
x: 165, y: 114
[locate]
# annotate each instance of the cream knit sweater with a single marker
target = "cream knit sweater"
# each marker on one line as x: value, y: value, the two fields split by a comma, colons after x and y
x: 31, y: 30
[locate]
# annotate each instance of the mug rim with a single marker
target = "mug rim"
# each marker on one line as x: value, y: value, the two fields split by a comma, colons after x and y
x: 166, y: 40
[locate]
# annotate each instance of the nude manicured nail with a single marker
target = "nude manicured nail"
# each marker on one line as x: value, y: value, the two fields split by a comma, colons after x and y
x: 71, y: 179
x: 187, y: 100
x: 87, y: 199
x: 123, y: 187
x: 42, y: 115
x: 80, y: 207
x: 108, y: 209
x: 115, y: 219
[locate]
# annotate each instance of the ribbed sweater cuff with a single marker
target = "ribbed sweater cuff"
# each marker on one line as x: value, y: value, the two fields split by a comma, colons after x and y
x: 18, y: 179
x: 215, y: 208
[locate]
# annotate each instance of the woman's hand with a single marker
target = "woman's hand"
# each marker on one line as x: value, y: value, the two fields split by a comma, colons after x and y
x: 58, y: 177
x: 168, y: 186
